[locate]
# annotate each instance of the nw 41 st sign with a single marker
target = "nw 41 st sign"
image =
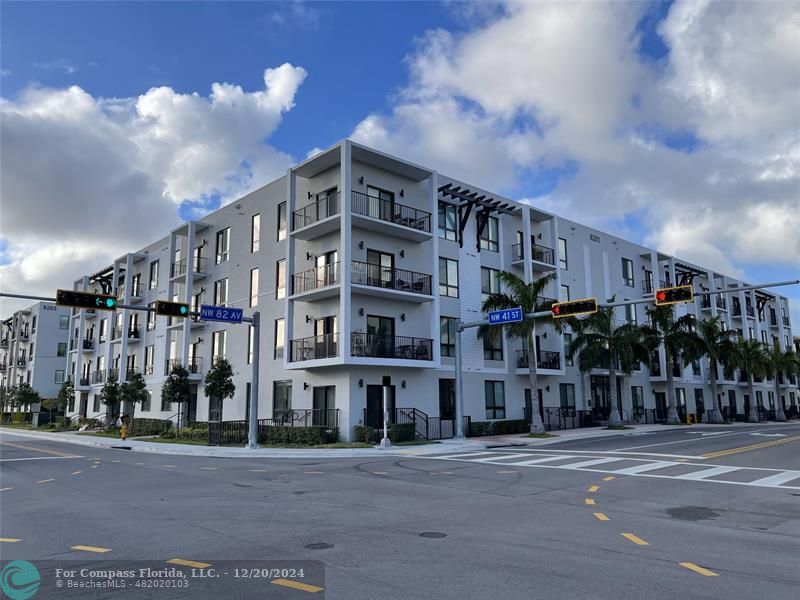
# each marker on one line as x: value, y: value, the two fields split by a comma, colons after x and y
x: 508, y: 315
x: 220, y: 313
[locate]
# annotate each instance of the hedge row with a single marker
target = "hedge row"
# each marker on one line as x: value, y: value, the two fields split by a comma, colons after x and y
x: 398, y: 432
x: 478, y: 428
x: 297, y: 436
x: 194, y: 431
x: 150, y: 426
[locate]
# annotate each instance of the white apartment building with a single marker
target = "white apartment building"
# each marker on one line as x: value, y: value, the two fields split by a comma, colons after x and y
x: 359, y: 263
x: 33, y: 348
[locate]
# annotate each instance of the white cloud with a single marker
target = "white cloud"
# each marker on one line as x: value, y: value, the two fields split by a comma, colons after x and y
x: 62, y: 64
x: 294, y: 14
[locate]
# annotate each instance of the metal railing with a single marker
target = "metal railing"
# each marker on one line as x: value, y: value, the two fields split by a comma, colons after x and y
x: 363, y: 273
x: 116, y: 333
x: 21, y: 361
x: 83, y: 381
x: 222, y: 433
x: 318, y: 210
x: 148, y: 369
x: 314, y: 347
x: 88, y: 344
x: 541, y: 254
x: 113, y: 372
x: 137, y: 290
x: 23, y: 334
x: 98, y: 376
x: 705, y: 302
x: 133, y: 332
x: 178, y: 268
x: 193, y: 366
x: 785, y: 321
x: 4, y: 343
x: 316, y: 278
x: 306, y: 417
x: 546, y: 359
x: 391, y: 212
x: 385, y: 346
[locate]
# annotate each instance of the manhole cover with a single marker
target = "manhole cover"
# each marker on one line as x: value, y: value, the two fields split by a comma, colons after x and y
x: 692, y: 513
x: 432, y: 534
x: 318, y: 546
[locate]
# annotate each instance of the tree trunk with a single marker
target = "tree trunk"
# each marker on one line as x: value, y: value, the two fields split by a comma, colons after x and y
x: 614, y: 419
x: 715, y: 414
x: 537, y: 426
x: 672, y: 411
x: 779, y: 414
x: 752, y: 415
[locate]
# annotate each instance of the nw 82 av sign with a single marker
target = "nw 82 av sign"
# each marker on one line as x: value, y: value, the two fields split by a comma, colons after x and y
x: 220, y: 313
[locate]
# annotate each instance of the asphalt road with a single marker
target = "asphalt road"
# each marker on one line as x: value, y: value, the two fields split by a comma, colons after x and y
x: 460, y: 527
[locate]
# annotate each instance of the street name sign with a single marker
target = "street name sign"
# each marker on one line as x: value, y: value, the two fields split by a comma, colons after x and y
x: 507, y: 315
x: 221, y: 313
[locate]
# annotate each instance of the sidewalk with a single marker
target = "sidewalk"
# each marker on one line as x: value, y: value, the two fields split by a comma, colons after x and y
x: 444, y: 447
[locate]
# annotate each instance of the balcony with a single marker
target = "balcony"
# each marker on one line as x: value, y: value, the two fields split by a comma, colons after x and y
x: 375, y: 280
x: 705, y: 302
x: 3, y: 367
x: 22, y: 361
x: 98, y: 377
x: 785, y: 321
x: 546, y: 360
x: 199, y: 268
x: 88, y: 344
x: 89, y: 313
x: 647, y: 285
x: 391, y: 218
x: 316, y: 219
x: 83, y: 381
x: 102, y: 338
x: 148, y: 369
x: 314, y: 347
x: 113, y: 373
x: 134, y: 334
x: 130, y: 372
x: 4, y: 343
x: 400, y: 347
x: 23, y: 334
x: 116, y: 333
x: 193, y: 366
x: 543, y: 257
x: 137, y: 291
x: 317, y: 283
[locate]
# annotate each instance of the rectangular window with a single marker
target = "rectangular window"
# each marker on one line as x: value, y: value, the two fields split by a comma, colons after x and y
x: 153, y: 278
x: 151, y: 318
x: 223, y: 244
x: 218, y: 344
x: 493, y: 344
x: 59, y: 378
x: 255, y: 233
x: 447, y: 336
x: 249, y: 344
x: 760, y: 398
x: 221, y: 292
x: 637, y: 397
x: 567, y: 345
x: 448, y: 221
x: 495, y: 400
x: 147, y: 402
x: 448, y: 277
x: 564, y: 293
x: 490, y: 236
x: 627, y: 272
x: 562, y: 253
x: 279, y: 335
x: 281, y: 221
x: 63, y: 322
x: 490, y: 284
x: 149, y: 356
x: 281, y: 398
x: 254, y: 287
x: 280, y: 279
x: 567, y: 391
x: 33, y: 326
x: 62, y: 349
x: 30, y: 352
x: 96, y: 403
x: 696, y: 368
x: 165, y: 406
x: 764, y: 337
x: 447, y: 398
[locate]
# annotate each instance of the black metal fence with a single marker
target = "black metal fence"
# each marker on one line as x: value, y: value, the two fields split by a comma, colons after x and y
x: 425, y: 426
x: 384, y: 346
x: 306, y: 417
x: 314, y: 347
x: 391, y: 211
x: 318, y: 210
x: 224, y: 433
x: 363, y: 273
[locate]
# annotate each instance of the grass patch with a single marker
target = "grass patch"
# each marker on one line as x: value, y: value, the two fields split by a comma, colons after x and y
x: 541, y: 436
x: 18, y: 426
x: 618, y: 427
x: 416, y: 443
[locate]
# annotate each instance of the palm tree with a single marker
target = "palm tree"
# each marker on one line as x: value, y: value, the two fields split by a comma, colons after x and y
x: 599, y: 341
x: 779, y: 363
x: 516, y: 292
x: 751, y: 359
x: 720, y: 347
x: 678, y: 338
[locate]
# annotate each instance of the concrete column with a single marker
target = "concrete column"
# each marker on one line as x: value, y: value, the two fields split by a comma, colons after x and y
x: 527, y: 251
x: 345, y: 238
x: 267, y: 327
x: 433, y: 197
x: 757, y: 320
x: 81, y: 335
x: 126, y: 315
x: 173, y: 246
x: 187, y: 292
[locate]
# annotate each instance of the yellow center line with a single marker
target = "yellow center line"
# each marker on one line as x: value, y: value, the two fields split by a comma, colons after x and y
x: 635, y: 539
x: 32, y: 449
x: 10, y: 540
x: 189, y: 563
x: 76, y: 472
x: 609, y: 478
x: 601, y: 517
x: 589, y: 501
x: 751, y: 447
x: 45, y: 481
x: 698, y: 569
x: 297, y: 585
x: 91, y: 549
x: 594, y: 488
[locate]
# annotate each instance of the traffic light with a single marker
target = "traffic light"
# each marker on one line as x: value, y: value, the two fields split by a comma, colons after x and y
x: 172, y: 309
x: 573, y: 308
x: 85, y: 300
x: 674, y: 295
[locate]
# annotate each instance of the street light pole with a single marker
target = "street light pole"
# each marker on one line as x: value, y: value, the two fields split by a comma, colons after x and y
x: 459, y: 399
x: 252, y: 438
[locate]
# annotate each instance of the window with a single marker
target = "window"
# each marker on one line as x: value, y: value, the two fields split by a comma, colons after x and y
x: 281, y: 221
x: 279, y: 335
x: 447, y: 398
x: 254, y: 287
x: 495, y: 399
x: 696, y: 368
x: 567, y: 391
x: 281, y: 397
x: 448, y: 221
x: 149, y: 355
x: 250, y: 345
x: 96, y: 403
x: 221, y: 292
x: 218, y: 344
x: 569, y: 361
x: 764, y: 337
x: 637, y: 397
x: 147, y: 402
x: 493, y: 344
x: 280, y: 279
x: 153, y: 278
x: 223, y: 243
x: 562, y: 253
x: 59, y: 378
x: 564, y: 293
x: 490, y: 284
x: 63, y: 322
x: 30, y: 352
x: 627, y: 272
x: 165, y: 406
x: 33, y: 326
x: 630, y: 313
x: 448, y: 277
x: 490, y: 236
x: 759, y: 399
x: 447, y: 336
x: 255, y: 233
x: 151, y: 318
x: 752, y: 334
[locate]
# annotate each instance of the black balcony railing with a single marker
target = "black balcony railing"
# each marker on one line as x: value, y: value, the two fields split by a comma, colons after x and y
x: 315, y: 347
x: 130, y: 372
x: 198, y: 264
x: 98, y: 376
x: 318, y: 210
x: 23, y: 334
x: 546, y: 360
x: 4, y: 343
x: 193, y: 365
x: 21, y: 361
x: 84, y: 380
x: 316, y: 278
x: 306, y: 417
x: 705, y: 302
x: 134, y: 332
x: 113, y: 372
x: 541, y: 254
x: 387, y: 277
x: 391, y: 211
x: 385, y: 346
x: 88, y: 344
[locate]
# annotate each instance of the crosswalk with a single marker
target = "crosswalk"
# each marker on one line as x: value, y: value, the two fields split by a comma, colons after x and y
x: 635, y: 467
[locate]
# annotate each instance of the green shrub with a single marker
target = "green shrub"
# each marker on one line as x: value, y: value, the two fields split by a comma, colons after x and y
x: 364, y: 433
x: 297, y: 436
x: 18, y: 418
x: 149, y: 426
x: 194, y: 431
x: 478, y: 428
x: 402, y: 432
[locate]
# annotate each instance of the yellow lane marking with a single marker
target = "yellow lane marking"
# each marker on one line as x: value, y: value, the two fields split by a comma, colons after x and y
x: 601, y: 517
x: 379, y: 473
x: 45, y: 481
x: 91, y: 549
x: 4, y: 489
x: 589, y: 501
x: 209, y: 468
x: 593, y: 488
x: 10, y: 540
x: 635, y: 539
x: 313, y: 472
x: 506, y: 471
x: 297, y: 585
x: 751, y: 447
x: 609, y: 478
x: 32, y: 449
x: 698, y: 569
x: 189, y: 563
x: 76, y: 472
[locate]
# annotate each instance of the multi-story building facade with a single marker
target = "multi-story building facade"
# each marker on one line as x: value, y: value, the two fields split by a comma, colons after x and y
x: 360, y: 263
x: 33, y: 348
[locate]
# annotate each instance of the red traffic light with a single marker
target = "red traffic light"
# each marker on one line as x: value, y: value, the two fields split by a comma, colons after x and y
x: 573, y: 308
x: 661, y: 296
x: 674, y: 295
x: 555, y: 309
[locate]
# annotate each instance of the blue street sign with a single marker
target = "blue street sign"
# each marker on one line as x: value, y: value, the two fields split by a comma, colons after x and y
x: 221, y: 313
x: 507, y: 315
